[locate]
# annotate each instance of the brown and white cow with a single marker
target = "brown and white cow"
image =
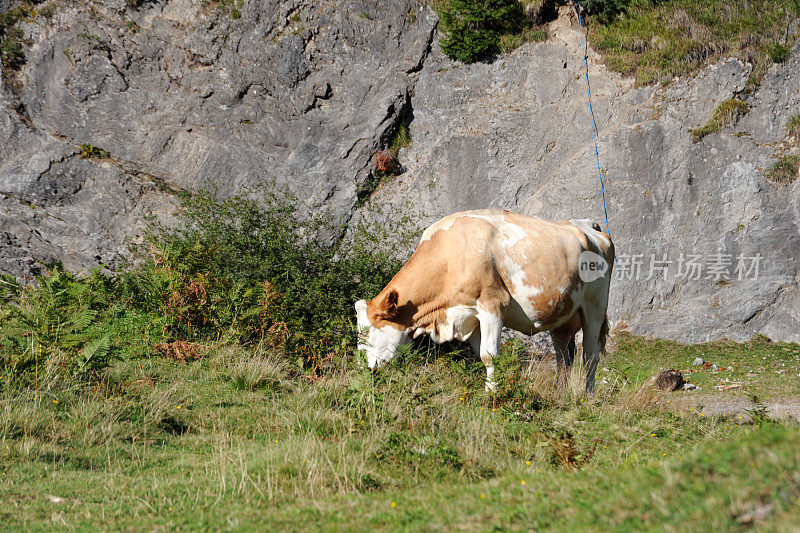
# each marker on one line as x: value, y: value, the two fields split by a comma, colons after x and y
x: 477, y: 271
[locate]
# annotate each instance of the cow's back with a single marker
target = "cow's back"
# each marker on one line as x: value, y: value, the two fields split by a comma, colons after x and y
x: 527, y: 265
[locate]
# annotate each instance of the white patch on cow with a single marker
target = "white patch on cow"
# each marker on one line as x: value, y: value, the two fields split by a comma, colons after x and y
x: 521, y: 289
x: 512, y: 232
x: 379, y: 344
x: 491, y: 328
x: 463, y: 321
x: 459, y: 323
x: 361, y: 313
x: 585, y: 224
x: 442, y: 225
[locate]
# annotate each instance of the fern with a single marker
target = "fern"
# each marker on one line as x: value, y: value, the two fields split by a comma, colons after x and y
x: 94, y: 354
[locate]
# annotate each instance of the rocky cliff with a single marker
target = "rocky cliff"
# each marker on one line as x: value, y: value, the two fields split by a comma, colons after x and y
x: 187, y: 93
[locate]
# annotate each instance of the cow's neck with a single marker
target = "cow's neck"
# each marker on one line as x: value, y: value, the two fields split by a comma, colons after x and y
x: 422, y: 300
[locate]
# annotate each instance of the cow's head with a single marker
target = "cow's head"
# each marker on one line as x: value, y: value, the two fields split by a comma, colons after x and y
x: 378, y: 333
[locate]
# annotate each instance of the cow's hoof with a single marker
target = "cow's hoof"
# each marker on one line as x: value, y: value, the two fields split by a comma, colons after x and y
x: 491, y: 387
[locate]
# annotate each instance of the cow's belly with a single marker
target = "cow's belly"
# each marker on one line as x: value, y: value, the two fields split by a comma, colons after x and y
x: 459, y: 323
x: 544, y: 311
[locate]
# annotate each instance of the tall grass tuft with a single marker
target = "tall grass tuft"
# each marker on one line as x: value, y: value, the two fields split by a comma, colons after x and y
x: 724, y: 114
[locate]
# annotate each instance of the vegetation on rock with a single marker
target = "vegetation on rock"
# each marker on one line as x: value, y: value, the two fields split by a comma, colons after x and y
x: 785, y: 169
x: 724, y: 114
x: 655, y: 41
x: 793, y: 126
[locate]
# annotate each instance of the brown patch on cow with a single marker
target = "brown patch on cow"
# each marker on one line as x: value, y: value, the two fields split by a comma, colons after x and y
x: 387, y: 308
x: 552, y: 306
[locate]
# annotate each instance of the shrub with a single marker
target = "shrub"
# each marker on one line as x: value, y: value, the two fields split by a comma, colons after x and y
x: 11, y: 53
x: 235, y: 270
x: 87, y: 151
x: 385, y: 163
x: 58, y: 319
x: 473, y: 28
x: 238, y: 269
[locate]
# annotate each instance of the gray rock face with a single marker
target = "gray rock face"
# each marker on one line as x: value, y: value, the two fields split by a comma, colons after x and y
x: 187, y: 93
x: 184, y: 93
x: 516, y: 134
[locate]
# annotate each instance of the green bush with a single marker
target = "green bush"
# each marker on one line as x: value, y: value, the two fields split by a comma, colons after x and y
x: 12, y: 55
x: 237, y: 270
x: 474, y: 29
x: 240, y: 267
x: 88, y: 151
x: 778, y: 53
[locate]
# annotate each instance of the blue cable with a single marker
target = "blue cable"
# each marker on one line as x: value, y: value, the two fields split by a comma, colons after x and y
x: 594, y: 127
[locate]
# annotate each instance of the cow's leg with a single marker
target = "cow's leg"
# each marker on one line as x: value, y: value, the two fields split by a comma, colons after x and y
x: 564, y: 344
x: 475, y: 341
x: 591, y: 346
x: 491, y: 326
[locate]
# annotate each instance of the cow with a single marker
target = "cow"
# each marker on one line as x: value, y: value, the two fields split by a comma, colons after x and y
x: 475, y: 272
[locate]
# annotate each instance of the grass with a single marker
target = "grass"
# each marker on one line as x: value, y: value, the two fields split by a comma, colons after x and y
x: 793, y: 126
x: 655, y: 41
x: 724, y: 114
x: 241, y: 439
x: 785, y: 169
x: 513, y: 41
x: 765, y: 368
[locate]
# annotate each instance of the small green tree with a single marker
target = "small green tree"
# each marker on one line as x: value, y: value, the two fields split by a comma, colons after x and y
x: 473, y: 28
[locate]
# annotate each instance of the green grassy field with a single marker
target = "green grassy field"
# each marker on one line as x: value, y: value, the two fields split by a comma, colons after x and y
x: 239, y: 439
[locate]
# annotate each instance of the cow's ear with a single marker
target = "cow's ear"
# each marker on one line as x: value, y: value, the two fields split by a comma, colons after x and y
x: 388, y: 308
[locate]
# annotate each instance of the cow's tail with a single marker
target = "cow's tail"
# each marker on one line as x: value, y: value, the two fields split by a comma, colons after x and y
x: 601, y: 340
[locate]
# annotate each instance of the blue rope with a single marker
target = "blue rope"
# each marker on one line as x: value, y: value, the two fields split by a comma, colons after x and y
x: 591, y: 117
